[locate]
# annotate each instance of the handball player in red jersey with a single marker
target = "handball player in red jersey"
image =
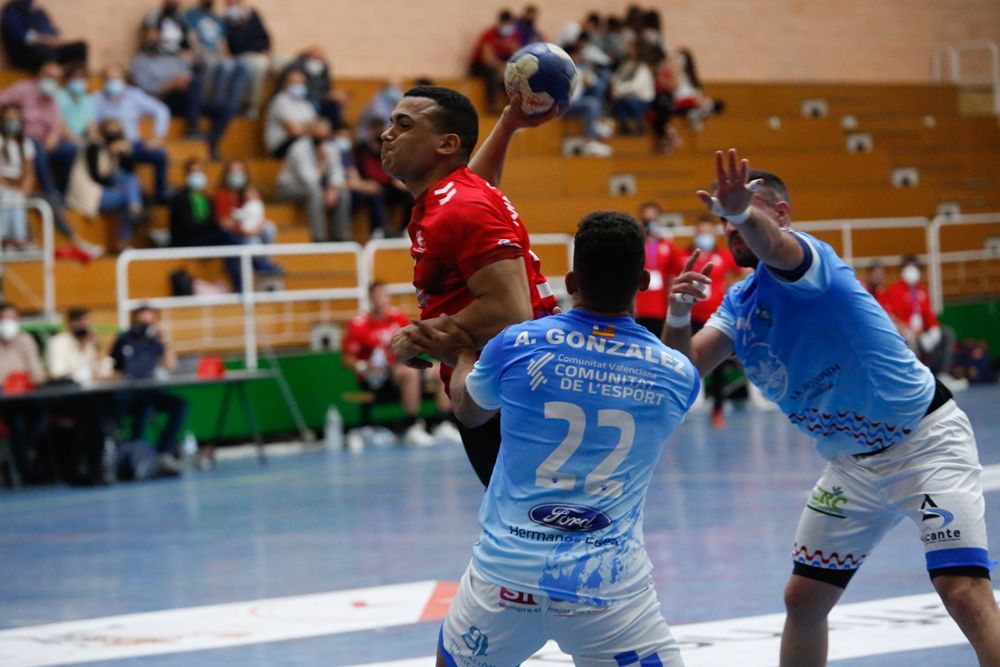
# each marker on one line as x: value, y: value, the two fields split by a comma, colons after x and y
x: 473, y: 263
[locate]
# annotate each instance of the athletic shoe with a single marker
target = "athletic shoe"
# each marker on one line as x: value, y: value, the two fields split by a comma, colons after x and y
x: 953, y: 384
x: 169, y: 465
x: 718, y: 421
x: 757, y: 399
x: 418, y: 436
x: 354, y: 442
x: 447, y: 432
x: 594, y: 148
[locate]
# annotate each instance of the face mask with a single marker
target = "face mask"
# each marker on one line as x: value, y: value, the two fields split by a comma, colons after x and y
x: 12, y: 127
x: 151, y: 47
x: 144, y: 330
x: 77, y: 86
x: 506, y: 30
x: 80, y: 334
x: 49, y: 87
x: 704, y: 241
x: 114, y: 87
x: 235, y: 13
x: 197, y: 180
x: 314, y: 66
x: 910, y: 275
x: 236, y: 180
x: 9, y: 329
x: 297, y: 90
x: 343, y: 144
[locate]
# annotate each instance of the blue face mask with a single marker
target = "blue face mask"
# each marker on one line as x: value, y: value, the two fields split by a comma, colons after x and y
x: 77, y: 86
x: 297, y: 90
x: 704, y: 242
x: 236, y: 180
x: 49, y: 87
x: 114, y: 87
x: 12, y: 127
x: 197, y: 180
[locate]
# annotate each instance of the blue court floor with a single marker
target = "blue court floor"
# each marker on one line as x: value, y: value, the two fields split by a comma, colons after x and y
x: 720, y: 519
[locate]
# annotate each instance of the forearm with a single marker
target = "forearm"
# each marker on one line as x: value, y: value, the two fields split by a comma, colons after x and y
x: 773, y: 246
x: 488, y: 315
x: 489, y: 159
x: 679, y: 338
x: 463, y: 407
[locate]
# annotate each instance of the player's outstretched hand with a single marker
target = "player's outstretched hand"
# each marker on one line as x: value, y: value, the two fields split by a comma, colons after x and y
x: 733, y: 193
x: 515, y: 118
x: 690, y: 286
x: 442, y: 338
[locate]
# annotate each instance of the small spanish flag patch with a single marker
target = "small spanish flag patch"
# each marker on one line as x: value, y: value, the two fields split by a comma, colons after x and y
x: 604, y: 331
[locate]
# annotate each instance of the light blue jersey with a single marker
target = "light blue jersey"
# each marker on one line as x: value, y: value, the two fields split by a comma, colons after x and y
x: 586, y: 405
x: 826, y: 352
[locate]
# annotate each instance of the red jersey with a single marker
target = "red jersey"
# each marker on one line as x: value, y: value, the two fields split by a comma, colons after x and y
x: 503, y: 46
x: 460, y: 225
x: 664, y: 263
x: 722, y: 265
x: 365, y: 334
x: 910, y: 305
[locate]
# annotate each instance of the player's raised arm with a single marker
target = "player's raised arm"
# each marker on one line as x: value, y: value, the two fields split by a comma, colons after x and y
x: 488, y: 161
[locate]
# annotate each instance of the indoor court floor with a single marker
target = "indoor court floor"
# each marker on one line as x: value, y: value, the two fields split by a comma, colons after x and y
x: 346, y: 560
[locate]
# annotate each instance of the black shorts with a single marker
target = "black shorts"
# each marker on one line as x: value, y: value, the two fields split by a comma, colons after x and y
x: 482, y: 444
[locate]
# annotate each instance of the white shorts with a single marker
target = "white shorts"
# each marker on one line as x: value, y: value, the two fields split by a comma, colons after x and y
x: 932, y: 477
x: 491, y: 626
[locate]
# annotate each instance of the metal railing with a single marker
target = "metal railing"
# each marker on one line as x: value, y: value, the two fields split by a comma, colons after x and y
x: 946, y: 66
x: 48, y: 298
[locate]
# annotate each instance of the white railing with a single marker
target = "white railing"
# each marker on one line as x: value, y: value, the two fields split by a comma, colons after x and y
x: 247, y: 297
x: 48, y: 298
x: 946, y: 66
x: 936, y: 257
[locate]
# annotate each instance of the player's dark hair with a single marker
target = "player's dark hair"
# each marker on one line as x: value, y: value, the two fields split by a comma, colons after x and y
x: 7, y: 306
x: 455, y: 114
x: 772, y: 183
x: 77, y: 313
x: 505, y: 16
x: 374, y: 285
x: 608, y: 257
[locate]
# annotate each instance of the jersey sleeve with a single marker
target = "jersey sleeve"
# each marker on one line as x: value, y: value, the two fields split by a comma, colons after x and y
x: 483, y: 383
x: 695, y: 386
x: 484, y: 237
x: 353, y: 344
x: 724, y: 318
x: 816, y: 276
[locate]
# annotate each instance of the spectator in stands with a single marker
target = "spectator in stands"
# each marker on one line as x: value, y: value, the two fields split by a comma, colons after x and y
x: 76, y: 105
x: 240, y: 209
x: 614, y: 43
x: 19, y: 359
x: 313, y: 175
x: 689, y: 98
x: 128, y: 105
x: 104, y: 181
x: 368, y: 352
x: 17, y: 177
x: 527, y: 26
x: 909, y: 304
x: 250, y: 43
x: 665, y: 78
x: 651, y: 33
x: 288, y: 116
x: 632, y: 90
x: 724, y: 271
x: 18, y: 350
x: 169, y: 77
x: 663, y: 261
x: 588, y: 102
x: 74, y: 354
x: 171, y: 28
x: 874, y: 282
x: 379, y: 108
x: 315, y: 66
x: 493, y: 49
x: 592, y: 40
x: 193, y: 221
x: 30, y: 39
x: 364, y: 192
x: 141, y: 353
x: 368, y: 159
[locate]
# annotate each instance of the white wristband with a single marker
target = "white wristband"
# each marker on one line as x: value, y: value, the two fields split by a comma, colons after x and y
x: 678, y: 321
x: 735, y: 218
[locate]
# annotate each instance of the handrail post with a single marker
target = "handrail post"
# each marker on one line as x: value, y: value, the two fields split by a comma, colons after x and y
x: 934, y: 281
x: 249, y: 309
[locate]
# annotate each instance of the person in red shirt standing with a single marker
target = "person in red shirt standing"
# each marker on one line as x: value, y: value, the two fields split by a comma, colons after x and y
x: 367, y: 350
x: 724, y: 269
x: 664, y: 262
x: 474, y: 269
x: 489, y: 58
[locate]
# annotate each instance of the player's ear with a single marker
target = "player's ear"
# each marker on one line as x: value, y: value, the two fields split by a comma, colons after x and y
x: 450, y: 144
x: 644, y: 279
x: 572, y: 286
x: 783, y: 212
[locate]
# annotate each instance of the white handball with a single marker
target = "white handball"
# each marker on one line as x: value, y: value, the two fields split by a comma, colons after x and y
x: 545, y: 76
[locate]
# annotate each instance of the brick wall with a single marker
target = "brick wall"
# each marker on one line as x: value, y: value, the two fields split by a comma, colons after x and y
x: 807, y: 40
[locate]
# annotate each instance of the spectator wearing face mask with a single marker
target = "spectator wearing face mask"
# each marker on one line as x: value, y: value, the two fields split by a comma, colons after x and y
x: 327, y: 101
x: 493, y: 49
x: 312, y: 175
x: 171, y: 28
x: 73, y: 354
x: 393, y: 193
x: 240, y: 209
x: 19, y: 359
x: 379, y: 108
x: 104, y: 181
x: 169, y: 77
x: 527, y: 26
x: 664, y: 262
x: 288, y: 116
x: 193, y: 220
x: 18, y: 350
x: 129, y: 104
x: 250, y: 43
x: 30, y: 39
x: 17, y: 177
x: 76, y: 106
x: 365, y: 193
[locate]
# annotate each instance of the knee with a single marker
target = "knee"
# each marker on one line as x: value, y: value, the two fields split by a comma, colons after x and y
x: 967, y: 599
x: 802, y: 602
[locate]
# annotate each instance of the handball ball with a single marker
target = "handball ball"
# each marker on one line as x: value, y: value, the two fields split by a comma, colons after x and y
x: 545, y: 76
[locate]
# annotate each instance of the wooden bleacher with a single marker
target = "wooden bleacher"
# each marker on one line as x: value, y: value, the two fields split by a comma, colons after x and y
x: 916, y: 126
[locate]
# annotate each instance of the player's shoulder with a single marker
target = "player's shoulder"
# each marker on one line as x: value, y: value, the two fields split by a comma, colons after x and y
x: 359, y: 321
x: 460, y: 192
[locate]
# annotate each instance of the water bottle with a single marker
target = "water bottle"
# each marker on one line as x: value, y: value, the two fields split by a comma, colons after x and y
x: 189, y: 448
x: 109, y: 461
x: 333, y: 434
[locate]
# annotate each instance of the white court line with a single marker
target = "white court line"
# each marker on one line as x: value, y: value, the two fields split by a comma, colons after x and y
x: 857, y: 630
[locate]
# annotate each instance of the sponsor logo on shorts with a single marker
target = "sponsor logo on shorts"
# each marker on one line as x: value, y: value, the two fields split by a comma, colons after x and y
x: 828, y: 501
x: 517, y: 597
x: 569, y: 517
x: 933, y: 533
x: 476, y: 641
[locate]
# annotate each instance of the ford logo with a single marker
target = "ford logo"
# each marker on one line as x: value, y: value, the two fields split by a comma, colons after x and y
x: 569, y: 517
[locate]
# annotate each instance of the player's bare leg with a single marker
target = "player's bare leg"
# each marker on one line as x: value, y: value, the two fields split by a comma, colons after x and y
x: 970, y: 602
x: 408, y: 381
x: 808, y: 603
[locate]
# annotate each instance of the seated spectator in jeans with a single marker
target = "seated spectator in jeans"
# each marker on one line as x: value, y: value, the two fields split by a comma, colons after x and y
x: 368, y: 352
x: 250, y: 43
x: 288, y: 115
x: 589, y: 103
x: 633, y: 88
x: 314, y: 65
x: 30, y: 39
x: 193, y: 221
x: 364, y: 192
x: 104, y: 181
x: 17, y: 177
x: 312, y: 175
x: 240, y: 209
x: 140, y: 354
x: 493, y: 49
x: 76, y: 106
x: 368, y: 160
x: 168, y: 77
x: 128, y: 105
x: 171, y: 26
x: 19, y: 355
x: 379, y: 108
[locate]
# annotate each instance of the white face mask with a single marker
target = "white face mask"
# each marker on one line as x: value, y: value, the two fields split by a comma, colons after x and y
x: 9, y: 329
x: 910, y: 275
x: 314, y: 66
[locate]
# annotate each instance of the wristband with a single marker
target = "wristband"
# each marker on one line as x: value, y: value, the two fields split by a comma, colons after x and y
x: 678, y: 321
x: 735, y: 218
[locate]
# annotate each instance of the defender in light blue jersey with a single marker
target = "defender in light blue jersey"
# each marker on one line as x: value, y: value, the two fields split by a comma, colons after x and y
x: 588, y: 399
x: 817, y: 344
